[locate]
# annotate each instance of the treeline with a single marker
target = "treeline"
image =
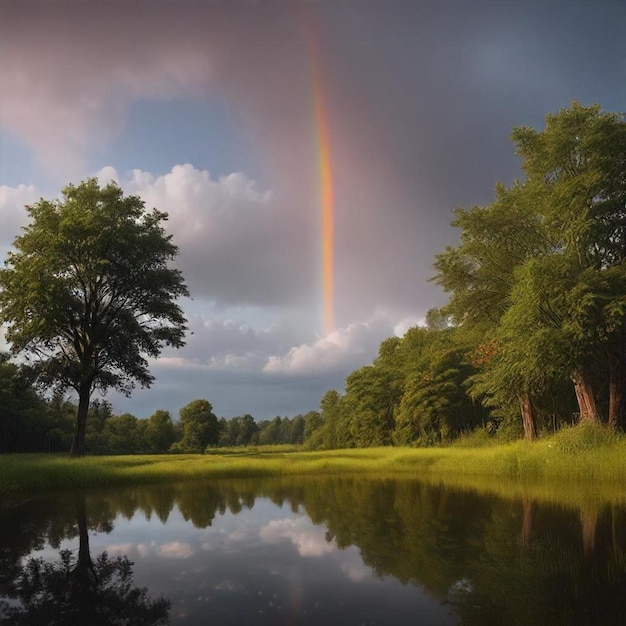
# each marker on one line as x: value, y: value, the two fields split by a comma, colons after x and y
x: 30, y: 422
x: 534, y: 333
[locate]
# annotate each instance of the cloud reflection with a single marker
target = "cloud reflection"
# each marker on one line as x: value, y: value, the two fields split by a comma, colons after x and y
x: 309, y: 540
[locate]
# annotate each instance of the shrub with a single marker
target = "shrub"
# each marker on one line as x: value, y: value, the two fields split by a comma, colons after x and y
x: 584, y: 436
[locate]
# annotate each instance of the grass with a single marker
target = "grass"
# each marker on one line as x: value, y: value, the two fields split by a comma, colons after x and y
x: 588, y: 456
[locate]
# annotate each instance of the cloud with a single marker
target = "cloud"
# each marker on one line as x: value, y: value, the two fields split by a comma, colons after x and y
x: 12, y: 212
x: 420, y: 101
x: 123, y: 549
x: 356, y: 572
x: 176, y: 549
x: 238, y: 246
x: 72, y: 76
x: 241, y: 245
x: 309, y: 540
x: 342, y: 350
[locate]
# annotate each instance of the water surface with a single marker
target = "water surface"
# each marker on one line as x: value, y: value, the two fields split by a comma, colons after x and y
x: 317, y: 551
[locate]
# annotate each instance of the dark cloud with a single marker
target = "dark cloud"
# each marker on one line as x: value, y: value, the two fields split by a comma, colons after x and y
x: 421, y: 99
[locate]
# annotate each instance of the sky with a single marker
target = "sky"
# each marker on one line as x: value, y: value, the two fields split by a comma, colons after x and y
x: 310, y: 155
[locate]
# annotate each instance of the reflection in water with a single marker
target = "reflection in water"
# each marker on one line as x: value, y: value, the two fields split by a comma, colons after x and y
x: 333, y: 551
x: 79, y: 590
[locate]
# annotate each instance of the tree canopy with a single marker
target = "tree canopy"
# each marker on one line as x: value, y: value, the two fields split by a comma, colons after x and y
x: 88, y: 293
x: 542, y: 271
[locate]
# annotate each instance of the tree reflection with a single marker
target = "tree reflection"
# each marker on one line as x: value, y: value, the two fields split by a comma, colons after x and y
x: 492, y: 560
x: 77, y: 590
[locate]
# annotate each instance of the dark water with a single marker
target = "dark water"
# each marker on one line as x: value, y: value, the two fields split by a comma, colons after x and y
x: 341, y: 551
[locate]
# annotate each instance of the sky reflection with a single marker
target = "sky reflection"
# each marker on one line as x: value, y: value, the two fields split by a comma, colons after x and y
x: 264, y: 565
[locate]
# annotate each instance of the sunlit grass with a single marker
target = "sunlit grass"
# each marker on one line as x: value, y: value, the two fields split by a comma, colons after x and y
x: 584, y: 455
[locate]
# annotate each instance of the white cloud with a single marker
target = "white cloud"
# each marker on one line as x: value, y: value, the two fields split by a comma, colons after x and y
x: 122, y: 549
x: 343, y: 349
x: 309, y: 540
x: 237, y: 244
x: 400, y: 328
x: 356, y: 572
x: 176, y: 549
x: 13, y: 215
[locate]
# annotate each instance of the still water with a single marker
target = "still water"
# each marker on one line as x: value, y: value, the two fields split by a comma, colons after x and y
x: 332, y: 551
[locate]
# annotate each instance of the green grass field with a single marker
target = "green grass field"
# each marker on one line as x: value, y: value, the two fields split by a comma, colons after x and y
x: 588, y: 456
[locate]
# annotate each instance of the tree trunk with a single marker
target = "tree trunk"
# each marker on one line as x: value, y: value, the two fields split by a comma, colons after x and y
x: 83, y: 575
x: 584, y: 394
x: 84, y: 555
x: 78, y: 445
x: 589, y: 523
x: 617, y: 381
x: 528, y: 419
x: 527, y: 523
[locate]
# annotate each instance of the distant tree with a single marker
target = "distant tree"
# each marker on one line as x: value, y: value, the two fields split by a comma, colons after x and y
x: 61, y: 417
x: 200, y: 426
x: 247, y: 430
x: 330, y: 411
x: 122, y: 435
x: 313, y: 424
x: 435, y: 406
x: 95, y: 439
x: 23, y: 423
x: 372, y: 393
x: 160, y: 433
x: 271, y: 432
x: 89, y: 294
x: 297, y: 429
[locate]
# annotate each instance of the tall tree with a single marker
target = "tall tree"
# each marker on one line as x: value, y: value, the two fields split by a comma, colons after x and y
x: 480, y: 275
x: 88, y: 293
x: 575, y: 170
x: 546, y: 284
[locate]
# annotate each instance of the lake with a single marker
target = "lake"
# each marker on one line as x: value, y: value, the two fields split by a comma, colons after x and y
x: 311, y: 551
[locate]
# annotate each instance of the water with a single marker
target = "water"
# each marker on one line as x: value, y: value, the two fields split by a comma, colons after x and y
x: 333, y: 551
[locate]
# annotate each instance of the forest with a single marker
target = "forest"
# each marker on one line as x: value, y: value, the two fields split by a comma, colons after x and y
x: 532, y: 338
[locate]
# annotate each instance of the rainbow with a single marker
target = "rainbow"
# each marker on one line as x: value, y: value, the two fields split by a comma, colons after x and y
x: 326, y: 187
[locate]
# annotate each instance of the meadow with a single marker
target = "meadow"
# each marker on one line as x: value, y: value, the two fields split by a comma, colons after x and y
x: 589, y: 457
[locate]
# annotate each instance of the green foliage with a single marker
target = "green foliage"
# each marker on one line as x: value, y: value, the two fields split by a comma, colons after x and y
x: 200, y: 426
x: 584, y: 437
x: 88, y: 292
x: 22, y: 412
x: 478, y: 438
x: 540, y: 274
x: 160, y: 433
x: 238, y: 431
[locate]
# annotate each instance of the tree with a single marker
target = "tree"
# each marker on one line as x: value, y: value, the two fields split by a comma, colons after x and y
x: 200, y: 426
x: 122, y: 435
x: 22, y: 412
x: 575, y: 171
x: 541, y: 272
x: 270, y: 434
x: 330, y: 408
x: 480, y: 274
x: 88, y: 293
x: 160, y: 432
x: 247, y: 430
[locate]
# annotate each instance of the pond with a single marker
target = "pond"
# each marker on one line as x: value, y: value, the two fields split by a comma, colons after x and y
x: 310, y: 551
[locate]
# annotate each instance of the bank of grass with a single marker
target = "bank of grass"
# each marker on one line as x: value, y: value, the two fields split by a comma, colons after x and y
x: 586, y: 454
